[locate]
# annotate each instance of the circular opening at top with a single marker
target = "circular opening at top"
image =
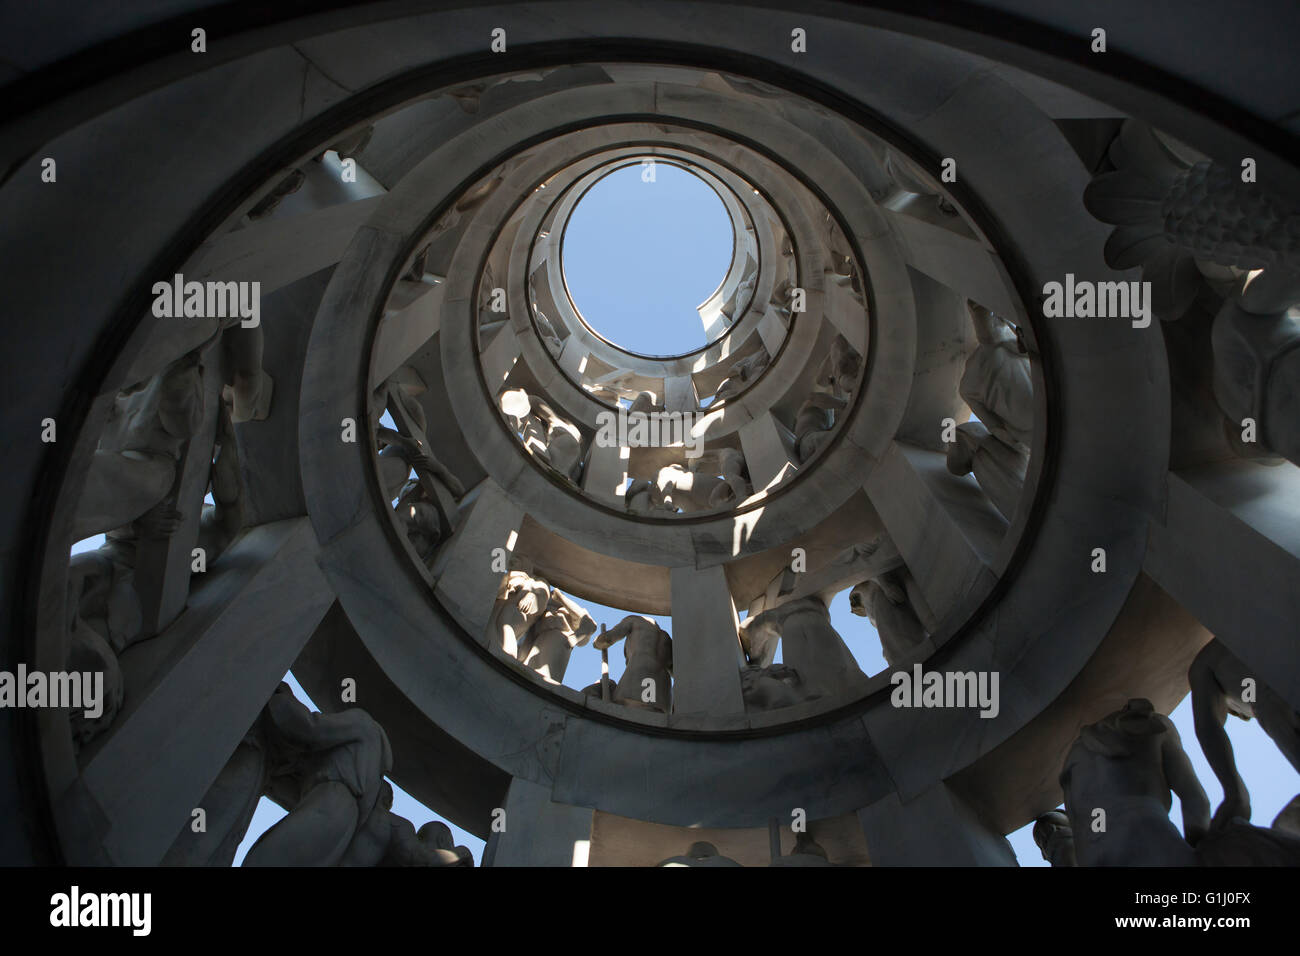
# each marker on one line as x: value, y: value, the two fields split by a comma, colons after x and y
x: 644, y: 250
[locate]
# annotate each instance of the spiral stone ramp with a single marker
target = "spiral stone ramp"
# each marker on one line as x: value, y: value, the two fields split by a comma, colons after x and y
x: 403, y: 467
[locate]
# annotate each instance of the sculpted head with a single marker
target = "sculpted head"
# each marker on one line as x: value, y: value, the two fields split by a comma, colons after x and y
x: 701, y: 850
x: 1113, y: 735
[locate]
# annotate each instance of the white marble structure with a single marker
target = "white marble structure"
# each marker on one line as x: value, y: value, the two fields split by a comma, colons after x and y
x: 870, y: 302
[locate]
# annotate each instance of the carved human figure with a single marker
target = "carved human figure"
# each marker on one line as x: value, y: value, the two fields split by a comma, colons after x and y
x: 1256, y: 343
x: 698, y: 488
x: 813, y: 423
x: 645, y: 403
x: 285, y: 187
x: 839, y: 372
x: 420, y: 519
x: 250, y: 388
x: 222, y: 520
x: 228, y: 806
x: 546, y: 434
x: 313, y: 764
x: 431, y: 845
x: 759, y: 641
x: 385, y: 839
x: 1237, y: 843
x: 1196, y: 226
x: 883, y: 600
x: 104, y: 617
x: 642, y: 497
x: 1288, y: 818
x: 517, y: 406
x: 999, y: 467
x: 843, y: 272
x: 1055, y: 839
x: 996, y: 383
x: 105, y: 597
x: 1186, y: 220
x: 729, y: 463
x: 805, y: 852
x: 700, y: 853
x: 562, y: 626
x: 134, y: 467
x: 809, y: 644
x: 1222, y: 684
x: 521, y: 600
x: 675, y: 485
x: 1117, y: 779
x: 740, y: 375
x: 782, y: 298
x: 771, y: 687
x: 648, y: 657
x: 546, y: 331
x: 328, y: 770
x: 400, y: 453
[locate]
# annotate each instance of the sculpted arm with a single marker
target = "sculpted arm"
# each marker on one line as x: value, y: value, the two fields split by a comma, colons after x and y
x: 615, y: 634
x: 1210, y: 711
x: 1182, y: 780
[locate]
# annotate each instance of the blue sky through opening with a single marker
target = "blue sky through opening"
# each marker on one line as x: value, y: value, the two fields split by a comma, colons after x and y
x: 640, y: 256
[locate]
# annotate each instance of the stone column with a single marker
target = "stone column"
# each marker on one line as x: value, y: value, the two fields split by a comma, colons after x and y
x: 936, y: 828
x: 537, y: 831
x: 706, y: 648
x: 466, y: 584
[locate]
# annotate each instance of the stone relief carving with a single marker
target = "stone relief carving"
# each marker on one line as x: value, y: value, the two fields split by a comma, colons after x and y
x: 1184, y: 219
x: 1194, y: 226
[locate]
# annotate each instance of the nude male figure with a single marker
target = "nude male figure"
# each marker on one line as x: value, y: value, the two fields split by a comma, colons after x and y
x: 548, y: 645
x: 1125, y: 765
x: 329, y: 770
x: 520, y: 601
x: 648, y: 653
x: 1221, y: 685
